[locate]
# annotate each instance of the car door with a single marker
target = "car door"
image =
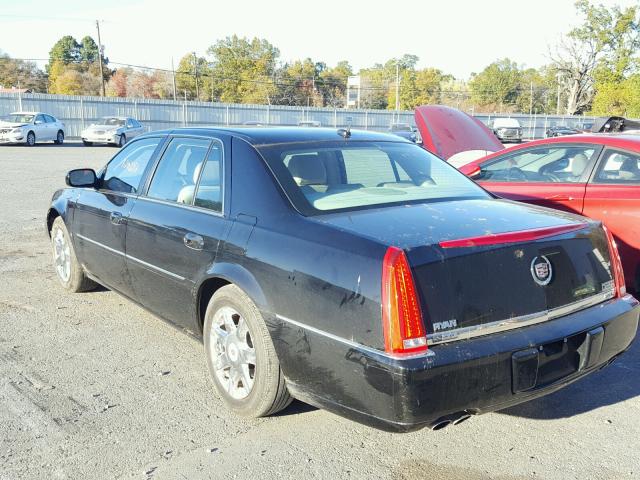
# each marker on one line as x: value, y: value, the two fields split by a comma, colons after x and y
x: 175, y: 228
x: 133, y: 128
x: 552, y: 175
x: 613, y: 197
x: 41, y: 128
x: 100, y: 215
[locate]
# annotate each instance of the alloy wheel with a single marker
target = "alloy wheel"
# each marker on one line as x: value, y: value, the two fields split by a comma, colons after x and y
x: 62, y: 255
x: 232, y: 352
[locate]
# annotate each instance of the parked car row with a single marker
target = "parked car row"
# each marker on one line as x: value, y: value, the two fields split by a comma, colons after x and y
x: 30, y: 128
x: 354, y: 270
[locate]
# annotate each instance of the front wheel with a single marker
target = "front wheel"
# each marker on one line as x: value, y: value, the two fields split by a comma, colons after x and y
x: 86, y: 143
x: 59, y: 138
x: 31, y: 139
x: 122, y: 140
x: 68, y: 269
x: 240, y: 355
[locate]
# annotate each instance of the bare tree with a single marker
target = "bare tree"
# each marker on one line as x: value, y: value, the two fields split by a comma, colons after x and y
x: 575, y: 60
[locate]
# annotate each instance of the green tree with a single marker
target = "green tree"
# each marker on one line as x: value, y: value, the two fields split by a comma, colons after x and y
x: 243, y: 69
x: 601, y: 50
x: 332, y: 84
x: 21, y: 74
x: 186, y: 78
x: 498, y: 85
x: 88, y: 50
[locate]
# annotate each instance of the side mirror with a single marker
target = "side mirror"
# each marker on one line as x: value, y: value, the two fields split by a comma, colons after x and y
x: 471, y: 171
x: 38, y: 122
x: 82, y: 177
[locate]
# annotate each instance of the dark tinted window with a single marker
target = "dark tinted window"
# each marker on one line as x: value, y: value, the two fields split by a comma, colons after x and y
x: 177, y: 174
x: 209, y: 191
x: 125, y: 170
x: 39, y: 119
x: 618, y: 167
x: 50, y: 119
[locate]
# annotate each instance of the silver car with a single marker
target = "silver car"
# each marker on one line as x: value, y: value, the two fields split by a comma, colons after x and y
x: 112, y: 130
x: 31, y: 127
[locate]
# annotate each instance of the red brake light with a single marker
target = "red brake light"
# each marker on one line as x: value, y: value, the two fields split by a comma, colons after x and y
x: 401, y: 316
x: 616, y: 265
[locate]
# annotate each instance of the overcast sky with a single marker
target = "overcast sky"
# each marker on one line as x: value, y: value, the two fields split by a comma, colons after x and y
x: 459, y: 37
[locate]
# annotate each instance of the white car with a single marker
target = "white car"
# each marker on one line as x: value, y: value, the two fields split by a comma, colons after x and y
x: 112, y: 130
x: 31, y: 127
x: 507, y: 130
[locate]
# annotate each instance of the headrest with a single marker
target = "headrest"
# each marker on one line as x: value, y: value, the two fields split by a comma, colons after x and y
x: 307, y: 170
x: 578, y: 164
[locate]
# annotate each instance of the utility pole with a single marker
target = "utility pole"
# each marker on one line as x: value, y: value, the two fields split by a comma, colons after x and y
x: 558, y: 100
x: 100, y: 55
x: 531, y: 100
x: 397, y: 86
x: 195, y: 67
x: 173, y: 71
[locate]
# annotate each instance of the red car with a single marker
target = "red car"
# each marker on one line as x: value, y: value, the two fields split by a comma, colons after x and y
x: 594, y: 175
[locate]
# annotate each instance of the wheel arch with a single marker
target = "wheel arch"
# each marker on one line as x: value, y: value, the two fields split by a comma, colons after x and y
x: 52, y: 214
x: 222, y: 274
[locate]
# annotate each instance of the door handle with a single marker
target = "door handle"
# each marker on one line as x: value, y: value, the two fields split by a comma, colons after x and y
x: 117, y: 218
x: 562, y: 198
x: 193, y: 241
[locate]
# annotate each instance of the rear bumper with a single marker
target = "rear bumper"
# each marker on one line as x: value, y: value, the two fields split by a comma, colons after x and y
x: 464, y: 377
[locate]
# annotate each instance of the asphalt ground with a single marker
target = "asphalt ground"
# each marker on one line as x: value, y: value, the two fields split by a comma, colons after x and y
x: 92, y: 386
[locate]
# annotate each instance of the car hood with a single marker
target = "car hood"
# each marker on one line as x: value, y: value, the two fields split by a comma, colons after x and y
x: 447, y: 131
x: 11, y: 124
x: 104, y: 127
x: 411, y: 226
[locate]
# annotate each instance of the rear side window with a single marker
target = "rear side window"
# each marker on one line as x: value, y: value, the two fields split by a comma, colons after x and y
x: 124, y: 172
x: 209, y: 189
x: 179, y: 169
x: 618, y: 167
x: 562, y: 164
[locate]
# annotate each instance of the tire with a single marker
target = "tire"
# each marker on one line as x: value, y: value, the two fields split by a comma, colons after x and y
x: 31, y: 139
x: 268, y: 392
x: 122, y: 140
x: 59, y: 138
x: 72, y: 277
x: 87, y: 144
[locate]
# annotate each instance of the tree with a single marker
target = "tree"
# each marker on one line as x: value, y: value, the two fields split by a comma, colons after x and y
x: 498, y: 85
x: 332, y: 84
x: 243, y: 69
x: 21, y: 74
x: 67, y: 55
x: 602, y: 46
x: 186, y: 78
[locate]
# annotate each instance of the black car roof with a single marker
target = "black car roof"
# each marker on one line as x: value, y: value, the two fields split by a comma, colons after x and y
x: 273, y: 135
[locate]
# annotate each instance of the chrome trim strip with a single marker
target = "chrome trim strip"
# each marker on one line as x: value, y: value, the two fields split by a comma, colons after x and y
x: 181, y: 205
x: 465, y: 333
x: 351, y: 343
x: 130, y: 257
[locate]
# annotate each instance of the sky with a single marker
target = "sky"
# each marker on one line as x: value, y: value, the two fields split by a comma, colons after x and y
x: 456, y: 36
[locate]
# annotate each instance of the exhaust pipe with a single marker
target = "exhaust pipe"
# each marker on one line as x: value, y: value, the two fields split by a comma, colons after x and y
x: 452, y: 419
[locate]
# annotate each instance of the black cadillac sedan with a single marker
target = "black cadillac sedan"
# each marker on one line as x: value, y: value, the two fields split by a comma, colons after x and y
x: 352, y: 270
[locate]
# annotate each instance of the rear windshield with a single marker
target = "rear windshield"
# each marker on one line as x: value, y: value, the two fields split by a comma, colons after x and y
x: 333, y: 176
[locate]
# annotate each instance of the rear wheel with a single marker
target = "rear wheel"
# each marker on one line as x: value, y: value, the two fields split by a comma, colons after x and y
x: 241, y: 357
x: 59, y: 138
x: 68, y: 269
x: 31, y: 139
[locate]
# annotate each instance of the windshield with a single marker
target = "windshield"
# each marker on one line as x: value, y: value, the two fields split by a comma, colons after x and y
x: 18, y: 118
x: 119, y: 122
x: 331, y: 176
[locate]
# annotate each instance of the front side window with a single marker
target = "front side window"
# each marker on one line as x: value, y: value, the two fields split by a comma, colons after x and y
x: 562, y: 164
x: 619, y: 167
x: 39, y: 119
x: 50, y: 119
x: 179, y: 169
x: 124, y: 172
x: 329, y: 176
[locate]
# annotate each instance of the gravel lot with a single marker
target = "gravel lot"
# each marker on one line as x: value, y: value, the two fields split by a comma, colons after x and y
x: 92, y: 386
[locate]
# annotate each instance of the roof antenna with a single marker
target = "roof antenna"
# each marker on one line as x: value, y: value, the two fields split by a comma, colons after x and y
x: 345, y: 132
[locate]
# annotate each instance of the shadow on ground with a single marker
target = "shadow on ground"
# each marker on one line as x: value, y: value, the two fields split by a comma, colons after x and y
x: 616, y: 383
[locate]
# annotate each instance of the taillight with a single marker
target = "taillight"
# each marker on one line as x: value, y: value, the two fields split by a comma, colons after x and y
x: 401, y: 316
x: 616, y: 265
